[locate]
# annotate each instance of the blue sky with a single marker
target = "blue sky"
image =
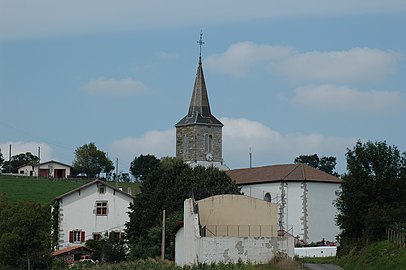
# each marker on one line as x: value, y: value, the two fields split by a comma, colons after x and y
x: 285, y: 77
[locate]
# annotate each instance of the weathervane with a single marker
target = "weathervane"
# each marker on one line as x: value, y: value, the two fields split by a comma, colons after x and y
x: 200, y: 42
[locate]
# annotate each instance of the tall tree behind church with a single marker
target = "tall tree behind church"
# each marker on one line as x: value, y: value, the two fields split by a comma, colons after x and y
x: 373, y: 193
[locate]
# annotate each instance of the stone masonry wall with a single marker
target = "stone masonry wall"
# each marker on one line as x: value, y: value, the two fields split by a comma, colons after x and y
x: 195, y: 145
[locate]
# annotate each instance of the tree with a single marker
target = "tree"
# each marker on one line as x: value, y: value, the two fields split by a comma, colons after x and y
x: 108, y: 249
x: 325, y: 164
x: 143, y: 165
x: 1, y: 160
x: 91, y: 161
x: 24, y: 234
x: 373, y: 192
x: 166, y: 188
x: 20, y: 160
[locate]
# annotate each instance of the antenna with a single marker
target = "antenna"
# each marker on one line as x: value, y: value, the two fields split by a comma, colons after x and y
x: 200, y: 42
x: 250, y: 158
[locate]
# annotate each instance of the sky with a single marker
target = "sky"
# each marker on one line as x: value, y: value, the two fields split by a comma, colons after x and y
x: 286, y: 78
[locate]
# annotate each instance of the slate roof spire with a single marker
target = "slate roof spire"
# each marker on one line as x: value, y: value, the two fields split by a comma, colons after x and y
x: 199, y: 108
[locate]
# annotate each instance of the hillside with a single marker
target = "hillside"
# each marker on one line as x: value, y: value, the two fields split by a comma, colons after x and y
x: 43, y: 190
x: 377, y: 256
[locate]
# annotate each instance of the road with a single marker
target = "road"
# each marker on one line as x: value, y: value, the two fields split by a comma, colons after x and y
x: 313, y: 266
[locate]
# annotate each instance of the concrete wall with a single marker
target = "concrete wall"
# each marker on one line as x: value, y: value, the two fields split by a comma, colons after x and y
x: 253, y: 249
x: 192, y: 248
x: 254, y: 217
x: 323, y: 251
x: 77, y: 211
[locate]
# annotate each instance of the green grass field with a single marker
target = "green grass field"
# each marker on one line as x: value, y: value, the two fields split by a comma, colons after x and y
x: 44, y: 190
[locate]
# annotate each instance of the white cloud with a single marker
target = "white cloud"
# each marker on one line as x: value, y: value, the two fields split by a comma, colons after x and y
x: 19, y: 147
x: 158, y: 143
x: 45, y: 18
x: 239, y: 135
x: 343, y: 98
x: 241, y: 57
x: 271, y: 147
x: 114, y: 86
x: 357, y: 64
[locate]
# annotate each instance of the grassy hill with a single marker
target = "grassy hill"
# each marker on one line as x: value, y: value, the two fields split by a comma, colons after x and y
x: 383, y: 255
x: 44, y: 190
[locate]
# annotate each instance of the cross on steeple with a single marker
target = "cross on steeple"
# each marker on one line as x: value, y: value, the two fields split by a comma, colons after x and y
x: 200, y: 42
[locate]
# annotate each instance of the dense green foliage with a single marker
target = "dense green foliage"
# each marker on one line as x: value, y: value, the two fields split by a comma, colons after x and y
x: 24, y: 234
x: 143, y: 165
x: 109, y: 249
x: 325, y: 164
x: 91, y: 161
x: 373, y: 194
x: 1, y: 160
x: 166, y: 188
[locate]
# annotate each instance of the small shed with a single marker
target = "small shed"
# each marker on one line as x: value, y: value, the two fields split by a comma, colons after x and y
x: 72, y: 254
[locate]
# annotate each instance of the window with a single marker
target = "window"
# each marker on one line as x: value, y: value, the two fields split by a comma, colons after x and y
x: 97, y: 236
x: 77, y: 236
x: 267, y: 197
x: 101, y: 208
x: 101, y: 188
x: 185, y: 146
x: 208, y: 143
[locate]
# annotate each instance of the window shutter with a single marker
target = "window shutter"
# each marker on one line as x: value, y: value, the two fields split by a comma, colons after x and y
x: 122, y: 236
x: 82, y: 236
x: 71, y: 236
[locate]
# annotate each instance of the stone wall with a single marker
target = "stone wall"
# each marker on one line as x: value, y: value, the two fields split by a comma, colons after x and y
x: 195, y: 142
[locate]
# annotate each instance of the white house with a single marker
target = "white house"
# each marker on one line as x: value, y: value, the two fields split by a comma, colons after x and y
x: 229, y: 228
x: 91, y: 211
x: 305, y: 196
x: 50, y: 168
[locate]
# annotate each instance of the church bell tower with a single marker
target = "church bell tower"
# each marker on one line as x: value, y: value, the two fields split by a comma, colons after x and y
x: 199, y: 133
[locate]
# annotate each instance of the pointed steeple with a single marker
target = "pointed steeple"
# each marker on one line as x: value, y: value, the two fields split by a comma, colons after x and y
x: 199, y: 108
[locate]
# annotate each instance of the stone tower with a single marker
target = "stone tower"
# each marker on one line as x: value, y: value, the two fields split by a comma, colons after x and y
x: 199, y: 133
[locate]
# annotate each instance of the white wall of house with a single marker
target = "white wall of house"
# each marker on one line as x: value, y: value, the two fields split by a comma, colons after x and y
x: 27, y: 170
x: 52, y: 166
x: 78, y: 212
x: 323, y: 251
x: 192, y: 248
x: 308, y: 207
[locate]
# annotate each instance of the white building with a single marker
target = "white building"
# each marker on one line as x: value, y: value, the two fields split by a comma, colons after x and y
x: 229, y: 228
x: 91, y: 211
x: 52, y: 168
x: 305, y: 196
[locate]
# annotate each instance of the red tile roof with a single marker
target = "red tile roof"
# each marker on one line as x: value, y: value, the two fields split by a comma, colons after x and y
x: 69, y: 249
x: 281, y: 173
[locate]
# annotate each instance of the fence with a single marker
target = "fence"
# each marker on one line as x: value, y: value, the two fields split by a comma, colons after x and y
x: 241, y: 230
x: 397, y: 234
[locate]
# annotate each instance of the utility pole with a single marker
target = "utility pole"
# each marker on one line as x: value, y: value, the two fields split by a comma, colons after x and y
x: 9, y: 160
x: 39, y: 159
x: 250, y: 158
x: 116, y: 172
x: 163, y: 236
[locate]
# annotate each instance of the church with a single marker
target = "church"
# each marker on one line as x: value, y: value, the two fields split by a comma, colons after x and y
x: 305, y: 195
